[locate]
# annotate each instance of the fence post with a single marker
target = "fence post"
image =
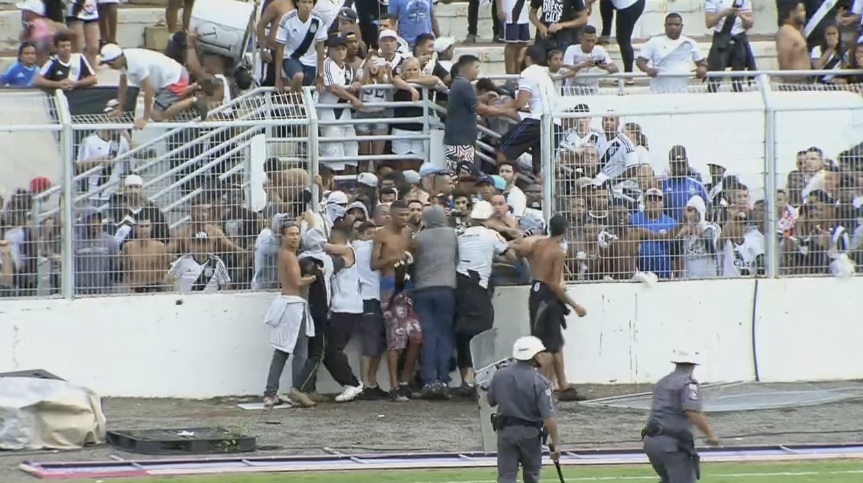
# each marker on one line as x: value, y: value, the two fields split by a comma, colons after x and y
x: 771, y: 241
x: 313, y: 147
x: 424, y: 92
x: 548, y: 156
x: 67, y: 214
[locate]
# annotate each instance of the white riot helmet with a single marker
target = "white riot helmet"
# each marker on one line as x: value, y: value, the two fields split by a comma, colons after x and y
x: 525, y: 348
x: 686, y: 357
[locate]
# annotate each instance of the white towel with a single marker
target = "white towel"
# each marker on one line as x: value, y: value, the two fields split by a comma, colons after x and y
x: 286, y: 316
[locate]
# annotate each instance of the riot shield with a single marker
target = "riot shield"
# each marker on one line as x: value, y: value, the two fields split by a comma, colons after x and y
x: 487, y: 351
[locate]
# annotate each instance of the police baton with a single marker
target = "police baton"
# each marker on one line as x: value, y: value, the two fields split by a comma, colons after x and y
x: 557, y: 465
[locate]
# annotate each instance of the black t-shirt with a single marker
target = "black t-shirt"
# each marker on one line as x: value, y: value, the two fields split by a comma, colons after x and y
x: 410, y: 111
x: 557, y: 11
x: 55, y: 70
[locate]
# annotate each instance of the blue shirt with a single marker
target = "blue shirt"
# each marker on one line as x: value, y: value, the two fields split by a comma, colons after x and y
x: 677, y: 193
x: 654, y: 255
x: 19, y: 75
x: 414, y: 18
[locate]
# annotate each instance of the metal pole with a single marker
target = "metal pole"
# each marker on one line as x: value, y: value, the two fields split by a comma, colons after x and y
x: 314, y: 151
x: 548, y: 155
x: 771, y: 241
x: 426, y: 124
x: 67, y: 217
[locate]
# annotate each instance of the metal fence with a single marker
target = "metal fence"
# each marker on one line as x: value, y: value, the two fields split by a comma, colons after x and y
x: 742, y: 177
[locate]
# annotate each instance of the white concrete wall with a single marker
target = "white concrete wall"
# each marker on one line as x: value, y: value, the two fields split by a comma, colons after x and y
x: 216, y: 345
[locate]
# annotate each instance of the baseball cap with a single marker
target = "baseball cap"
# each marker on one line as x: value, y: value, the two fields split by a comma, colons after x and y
x: 388, y: 34
x: 653, y: 192
x: 412, y: 177
x: 35, y: 6
x: 348, y: 14
x: 485, y: 179
x: 499, y: 182
x: 443, y: 43
x: 482, y: 210
x: 368, y: 179
x: 110, y: 53
x: 134, y: 180
x: 429, y: 168
x: 39, y: 184
x: 337, y: 41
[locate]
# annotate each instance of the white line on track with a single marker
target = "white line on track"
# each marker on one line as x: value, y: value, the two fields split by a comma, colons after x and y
x: 653, y: 478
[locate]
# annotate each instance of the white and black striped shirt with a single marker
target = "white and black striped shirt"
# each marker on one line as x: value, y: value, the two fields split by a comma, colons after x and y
x: 195, y: 276
x: 300, y: 38
x: 613, y: 159
x: 76, y: 69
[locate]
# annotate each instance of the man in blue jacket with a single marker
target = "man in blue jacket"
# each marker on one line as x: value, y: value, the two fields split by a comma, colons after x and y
x: 682, y: 184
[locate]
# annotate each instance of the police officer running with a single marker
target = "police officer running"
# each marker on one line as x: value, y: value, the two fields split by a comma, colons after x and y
x: 668, y: 438
x: 525, y: 413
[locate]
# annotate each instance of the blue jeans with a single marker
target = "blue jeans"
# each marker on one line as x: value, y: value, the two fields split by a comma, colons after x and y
x: 435, y: 308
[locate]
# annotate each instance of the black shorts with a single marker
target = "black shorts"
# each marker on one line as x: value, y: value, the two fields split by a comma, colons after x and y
x: 523, y: 137
x: 373, y: 336
x: 474, y: 308
x: 268, y: 74
x: 547, y: 316
x: 516, y: 33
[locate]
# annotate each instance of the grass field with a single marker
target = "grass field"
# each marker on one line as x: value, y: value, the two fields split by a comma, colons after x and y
x: 818, y: 472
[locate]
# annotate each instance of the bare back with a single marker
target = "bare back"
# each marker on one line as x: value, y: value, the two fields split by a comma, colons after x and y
x: 792, y: 52
x: 275, y: 11
x: 289, y: 272
x: 546, y: 261
x: 146, y: 262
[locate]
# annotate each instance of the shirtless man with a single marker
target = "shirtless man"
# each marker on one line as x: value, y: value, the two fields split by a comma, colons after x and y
x: 272, y: 12
x: 548, y: 302
x: 292, y: 310
x: 790, y: 43
x: 145, y: 261
x: 390, y: 258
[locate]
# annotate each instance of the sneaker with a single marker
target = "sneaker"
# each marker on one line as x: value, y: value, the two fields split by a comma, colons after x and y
x: 302, y: 398
x: 466, y: 390
x: 350, y: 393
x: 396, y: 395
x: 373, y: 393
x: 271, y: 401
x: 570, y: 394
x: 470, y: 39
x: 409, y: 392
x: 442, y: 391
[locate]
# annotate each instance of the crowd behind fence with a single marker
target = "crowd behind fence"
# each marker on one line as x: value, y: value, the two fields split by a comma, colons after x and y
x: 703, y: 181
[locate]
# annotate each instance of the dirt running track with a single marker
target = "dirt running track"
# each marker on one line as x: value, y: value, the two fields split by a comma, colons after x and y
x: 382, y: 426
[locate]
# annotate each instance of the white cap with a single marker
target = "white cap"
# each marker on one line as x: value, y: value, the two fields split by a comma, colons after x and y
x: 134, y: 180
x: 35, y: 6
x: 686, y: 357
x: 412, y: 177
x: 388, y: 34
x: 111, y: 105
x: 443, y: 43
x: 482, y: 210
x: 337, y: 198
x: 110, y: 53
x: 525, y: 348
x: 368, y: 179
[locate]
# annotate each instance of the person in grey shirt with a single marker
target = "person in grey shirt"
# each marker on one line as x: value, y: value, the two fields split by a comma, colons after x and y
x: 463, y: 105
x: 435, y: 250
x: 95, y: 256
x: 668, y: 438
x: 525, y: 411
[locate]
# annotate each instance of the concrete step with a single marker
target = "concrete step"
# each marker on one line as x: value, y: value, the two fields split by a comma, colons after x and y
x: 136, y: 16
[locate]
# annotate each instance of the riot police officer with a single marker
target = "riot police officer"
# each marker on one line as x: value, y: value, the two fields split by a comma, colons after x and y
x: 668, y: 438
x: 525, y: 413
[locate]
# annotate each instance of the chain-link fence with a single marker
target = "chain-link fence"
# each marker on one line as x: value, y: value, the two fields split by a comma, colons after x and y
x: 720, y: 177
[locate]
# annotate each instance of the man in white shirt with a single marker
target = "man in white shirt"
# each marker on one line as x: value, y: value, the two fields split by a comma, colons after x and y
x: 587, y: 58
x: 101, y: 150
x: 668, y: 58
x: 527, y: 135
x: 515, y: 16
x: 299, y: 55
x: 164, y: 82
x: 339, y: 88
x: 514, y: 195
x: 729, y: 19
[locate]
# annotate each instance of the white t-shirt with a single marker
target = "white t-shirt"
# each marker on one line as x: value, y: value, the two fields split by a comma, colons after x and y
x: 717, y: 6
x: 327, y: 10
x: 671, y: 56
x: 621, y: 4
x: 534, y: 80
x: 334, y: 75
x: 370, y: 280
x: 516, y: 199
x: 816, y: 54
x: 741, y: 260
x: 94, y: 147
x: 524, y: 15
x: 477, y: 247
x: 161, y: 70
x: 293, y: 31
x: 638, y: 157
x: 212, y: 273
x: 574, y: 55
x: 89, y: 11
